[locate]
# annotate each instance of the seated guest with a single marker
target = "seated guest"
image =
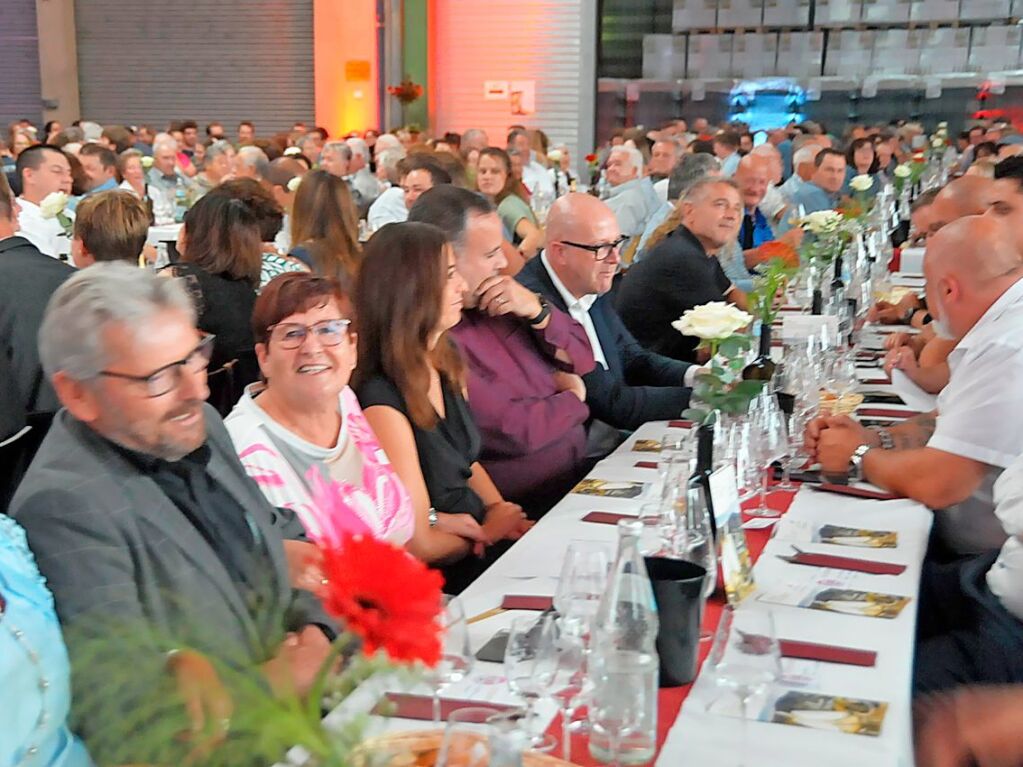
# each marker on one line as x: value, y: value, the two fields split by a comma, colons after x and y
x: 632, y: 198
x: 34, y: 673
x: 629, y: 385
x: 217, y: 167
x: 535, y: 176
x: 950, y: 458
x: 100, y: 167
x: 363, y: 181
x: 279, y: 178
x: 861, y: 160
x: 664, y: 156
x: 726, y: 149
x: 411, y: 380
x: 109, y: 226
x: 325, y: 227
x: 302, y: 435
x: 167, y: 180
x: 823, y: 189
x: 803, y: 160
x: 43, y: 170
x: 417, y: 174
x: 268, y: 218
x: 970, y: 619
x: 183, y: 550
x: 690, y: 169
x: 311, y: 145
x: 773, y: 204
x: 221, y: 257
x: 27, y: 280
x: 682, y: 271
x: 524, y: 359
x: 335, y: 158
x: 495, y: 181
x: 251, y: 162
x: 129, y: 166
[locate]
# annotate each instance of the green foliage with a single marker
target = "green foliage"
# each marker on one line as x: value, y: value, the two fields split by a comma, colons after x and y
x: 720, y: 387
x: 772, y: 276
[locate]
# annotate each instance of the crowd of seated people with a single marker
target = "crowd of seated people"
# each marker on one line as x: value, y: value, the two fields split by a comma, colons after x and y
x: 379, y: 336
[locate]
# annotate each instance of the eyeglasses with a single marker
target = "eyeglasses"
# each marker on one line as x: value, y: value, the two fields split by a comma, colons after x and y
x: 602, y: 251
x: 291, y: 335
x: 164, y: 380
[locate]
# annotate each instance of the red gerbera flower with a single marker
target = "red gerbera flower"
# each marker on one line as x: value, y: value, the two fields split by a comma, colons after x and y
x: 385, y: 596
x: 591, y: 158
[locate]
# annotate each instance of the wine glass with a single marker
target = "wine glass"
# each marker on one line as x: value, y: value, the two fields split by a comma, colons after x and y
x: 456, y: 658
x: 530, y: 666
x: 467, y: 737
x: 772, y: 437
x: 746, y: 659
x: 797, y: 423
x: 583, y: 579
x: 569, y: 683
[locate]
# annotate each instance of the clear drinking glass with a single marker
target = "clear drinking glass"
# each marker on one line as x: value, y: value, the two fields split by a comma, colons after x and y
x: 569, y: 685
x: 772, y: 435
x: 456, y: 658
x: 796, y: 457
x: 583, y: 579
x: 467, y: 737
x: 745, y: 659
x: 530, y: 665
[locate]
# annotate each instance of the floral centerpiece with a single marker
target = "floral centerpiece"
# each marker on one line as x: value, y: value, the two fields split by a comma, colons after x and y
x: 54, y: 205
x: 406, y: 91
x: 900, y: 174
x: 780, y: 266
x: 719, y: 387
x: 389, y: 605
x: 831, y: 232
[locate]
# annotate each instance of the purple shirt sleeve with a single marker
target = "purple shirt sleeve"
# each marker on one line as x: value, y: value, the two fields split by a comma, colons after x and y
x: 565, y: 334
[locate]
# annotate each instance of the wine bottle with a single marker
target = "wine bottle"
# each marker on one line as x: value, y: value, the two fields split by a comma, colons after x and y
x: 837, y: 284
x: 762, y: 368
x: 817, y: 302
x: 704, y: 468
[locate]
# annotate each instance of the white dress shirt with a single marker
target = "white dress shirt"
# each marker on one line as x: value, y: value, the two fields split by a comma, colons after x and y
x: 535, y: 176
x: 661, y: 187
x: 282, y: 242
x: 772, y: 204
x: 578, y: 310
x: 1005, y: 578
x: 980, y: 416
x: 45, y: 233
x: 388, y: 208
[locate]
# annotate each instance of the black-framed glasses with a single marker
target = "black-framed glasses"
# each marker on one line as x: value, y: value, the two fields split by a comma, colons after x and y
x: 166, y: 379
x: 291, y: 335
x: 601, y: 251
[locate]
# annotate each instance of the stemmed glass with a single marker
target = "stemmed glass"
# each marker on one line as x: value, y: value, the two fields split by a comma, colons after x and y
x: 797, y: 423
x: 771, y: 434
x: 569, y: 683
x: 530, y: 665
x: 456, y: 658
x: 746, y: 659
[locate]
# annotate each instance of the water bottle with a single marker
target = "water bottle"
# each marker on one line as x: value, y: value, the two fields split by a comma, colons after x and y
x: 623, y: 661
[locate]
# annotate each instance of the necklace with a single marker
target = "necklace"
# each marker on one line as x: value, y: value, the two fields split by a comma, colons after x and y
x: 44, y: 684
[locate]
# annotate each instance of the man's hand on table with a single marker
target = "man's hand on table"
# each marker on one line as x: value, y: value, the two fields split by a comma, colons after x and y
x: 972, y: 726
x: 901, y: 359
x: 831, y: 440
x: 299, y: 659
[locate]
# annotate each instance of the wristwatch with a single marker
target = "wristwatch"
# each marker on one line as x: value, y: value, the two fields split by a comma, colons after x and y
x: 856, y: 471
x: 432, y: 517
x: 545, y: 310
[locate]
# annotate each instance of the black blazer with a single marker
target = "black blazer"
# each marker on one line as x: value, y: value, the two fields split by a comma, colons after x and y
x: 27, y: 280
x: 638, y: 385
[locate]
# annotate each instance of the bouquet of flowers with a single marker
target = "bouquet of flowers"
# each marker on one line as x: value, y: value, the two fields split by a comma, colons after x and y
x: 831, y: 232
x: 771, y: 278
x: 406, y: 91
x: 720, y: 387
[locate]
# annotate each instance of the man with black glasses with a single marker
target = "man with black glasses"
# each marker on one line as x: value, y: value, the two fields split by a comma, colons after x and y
x: 629, y: 385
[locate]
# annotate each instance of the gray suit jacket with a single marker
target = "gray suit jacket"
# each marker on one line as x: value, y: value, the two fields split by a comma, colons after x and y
x: 117, y: 552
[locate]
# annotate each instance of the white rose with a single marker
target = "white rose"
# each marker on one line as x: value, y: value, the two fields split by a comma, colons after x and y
x: 861, y: 183
x: 937, y: 143
x: 291, y: 151
x: 294, y: 183
x: 822, y: 221
x: 713, y: 321
x: 902, y: 171
x: 943, y: 125
x: 941, y: 132
x: 147, y: 162
x: 554, y: 155
x: 52, y: 204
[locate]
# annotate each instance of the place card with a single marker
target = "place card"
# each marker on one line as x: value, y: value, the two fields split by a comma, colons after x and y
x: 646, y: 446
x: 803, y: 531
x: 610, y: 489
x: 607, y: 517
x: 866, y: 604
x: 736, y: 562
x: 818, y: 711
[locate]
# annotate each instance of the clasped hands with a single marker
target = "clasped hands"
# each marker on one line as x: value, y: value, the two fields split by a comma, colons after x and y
x: 831, y: 441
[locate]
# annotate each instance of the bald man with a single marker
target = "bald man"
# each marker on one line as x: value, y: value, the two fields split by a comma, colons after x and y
x: 950, y: 458
x: 629, y: 385
x: 966, y: 196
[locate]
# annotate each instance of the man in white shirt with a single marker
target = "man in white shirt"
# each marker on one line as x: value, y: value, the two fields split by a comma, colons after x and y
x: 632, y: 198
x: 418, y: 174
x: 726, y: 149
x: 43, y: 170
x: 362, y: 178
x: 630, y: 385
x: 802, y: 170
x: 534, y: 175
x: 950, y: 458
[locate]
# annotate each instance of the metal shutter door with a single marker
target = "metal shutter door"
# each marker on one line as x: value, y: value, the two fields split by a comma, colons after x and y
x: 229, y: 60
x: 552, y: 42
x: 19, y: 62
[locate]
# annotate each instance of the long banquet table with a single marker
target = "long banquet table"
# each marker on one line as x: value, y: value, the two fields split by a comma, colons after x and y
x: 687, y: 732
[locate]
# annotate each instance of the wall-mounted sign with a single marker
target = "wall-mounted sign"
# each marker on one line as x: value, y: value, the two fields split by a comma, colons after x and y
x: 495, y: 90
x: 522, y: 94
x: 357, y: 71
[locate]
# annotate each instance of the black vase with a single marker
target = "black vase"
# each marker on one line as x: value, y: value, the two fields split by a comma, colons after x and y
x: 678, y: 591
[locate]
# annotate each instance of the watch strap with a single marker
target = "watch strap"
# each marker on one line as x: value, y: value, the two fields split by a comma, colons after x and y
x: 545, y: 310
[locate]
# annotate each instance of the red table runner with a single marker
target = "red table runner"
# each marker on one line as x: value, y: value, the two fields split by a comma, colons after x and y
x: 669, y: 700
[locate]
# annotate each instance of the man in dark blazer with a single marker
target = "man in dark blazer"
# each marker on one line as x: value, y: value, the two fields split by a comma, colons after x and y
x: 629, y: 385
x: 150, y: 534
x: 27, y: 280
